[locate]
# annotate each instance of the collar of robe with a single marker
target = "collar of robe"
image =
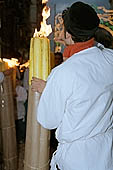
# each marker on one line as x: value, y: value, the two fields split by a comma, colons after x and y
x: 77, y: 47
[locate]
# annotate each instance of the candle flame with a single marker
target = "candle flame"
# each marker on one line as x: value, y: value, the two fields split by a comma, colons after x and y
x: 24, y: 65
x: 11, y: 63
x: 45, y: 29
x: 44, y: 1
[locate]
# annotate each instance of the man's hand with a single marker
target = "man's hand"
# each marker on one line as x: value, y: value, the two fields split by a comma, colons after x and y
x: 38, y: 85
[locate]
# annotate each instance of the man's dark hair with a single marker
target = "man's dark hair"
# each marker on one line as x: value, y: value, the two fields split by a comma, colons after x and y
x: 104, y: 37
x: 81, y: 21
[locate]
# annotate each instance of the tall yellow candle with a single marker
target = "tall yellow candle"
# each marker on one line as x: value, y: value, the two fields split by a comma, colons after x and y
x: 3, y: 66
x: 37, y: 58
x: 37, y: 138
x: 45, y: 58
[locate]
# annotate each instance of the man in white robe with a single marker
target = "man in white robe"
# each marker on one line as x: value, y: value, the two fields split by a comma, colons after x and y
x: 78, y: 101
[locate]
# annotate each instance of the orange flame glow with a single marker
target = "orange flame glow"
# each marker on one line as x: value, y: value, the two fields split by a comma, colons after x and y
x: 11, y: 63
x: 44, y: 1
x: 24, y: 65
x: 45, y: 29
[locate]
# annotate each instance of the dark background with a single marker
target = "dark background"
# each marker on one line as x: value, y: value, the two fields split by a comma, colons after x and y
x: 19, y: 18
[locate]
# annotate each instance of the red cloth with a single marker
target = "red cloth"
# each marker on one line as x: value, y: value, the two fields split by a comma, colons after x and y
x: 77, y: 47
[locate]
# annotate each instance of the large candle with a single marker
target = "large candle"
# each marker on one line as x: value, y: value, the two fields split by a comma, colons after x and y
x: 39, y: 58
x: 45, y: 58
x: 37, y: 138
x: 37, y: 145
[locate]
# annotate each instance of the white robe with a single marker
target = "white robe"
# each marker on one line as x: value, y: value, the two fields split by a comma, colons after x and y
x: 78, y: 101
x: 20, y: 99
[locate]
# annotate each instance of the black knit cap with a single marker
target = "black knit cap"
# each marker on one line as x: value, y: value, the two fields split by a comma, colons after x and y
x: 81, y: 20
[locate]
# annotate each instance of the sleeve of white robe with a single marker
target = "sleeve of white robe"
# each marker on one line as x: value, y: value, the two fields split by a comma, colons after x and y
x: 54, y: 97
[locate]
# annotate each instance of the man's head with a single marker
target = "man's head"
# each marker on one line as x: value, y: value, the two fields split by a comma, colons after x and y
x: 81, y: 21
